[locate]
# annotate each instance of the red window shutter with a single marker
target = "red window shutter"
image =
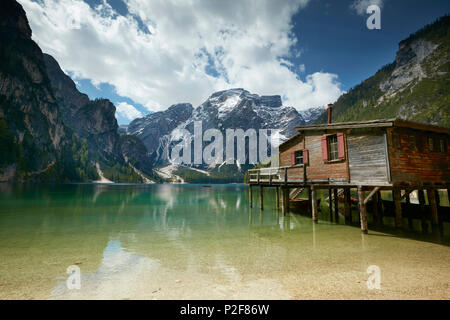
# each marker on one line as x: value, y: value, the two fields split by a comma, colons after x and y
x: 324, y: 148
x: 292, y: 158
x: 341, y: 148
x: 305, y: 156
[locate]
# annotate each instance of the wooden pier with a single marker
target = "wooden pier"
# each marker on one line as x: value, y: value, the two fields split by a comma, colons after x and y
x: 369, y: 157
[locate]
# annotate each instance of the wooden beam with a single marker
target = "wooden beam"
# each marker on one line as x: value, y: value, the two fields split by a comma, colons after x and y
x: 347, y: 204
x: 277, y: 196
x: 261, y: 197
x: 330, y: 203
x: 315, y: 215
x: 380, y: 208
x: 398, y: 208
x: 408, y: 209
x: 336, y: 205
x: 423, y: 212
x: 362, y: 210
x: 434, y: 210
x: 283, y: 197
x: 375, y: 190
x: 406, y: 194
x: 376, y: 207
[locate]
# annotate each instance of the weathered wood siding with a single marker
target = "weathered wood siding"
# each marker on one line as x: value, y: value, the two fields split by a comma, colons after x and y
x: 418, y: 164
x: 285, y: 157
x: 367, y: 157
x: 316, y: 168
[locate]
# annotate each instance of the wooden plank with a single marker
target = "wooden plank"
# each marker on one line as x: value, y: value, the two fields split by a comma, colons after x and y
x: 362, y: 210
x: 398, y: 208
x: 315, y: 214
x: 347, y: 204
x: 261, y: 197
x: 434, y: 210
x: 336, y: 205
x: 423, y: 212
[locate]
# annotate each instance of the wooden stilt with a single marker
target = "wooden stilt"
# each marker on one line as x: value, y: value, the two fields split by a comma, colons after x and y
x: 250, y: 195
x: 284, y: 203
x: 434, y: 210
x: 380, y: 208
x: 409, y: 211
x: 336, y: 205
x: 287, y: 199
x: 309, y: 201
x: 315, y: 214
x: 261, y: 197
x: 348, y: 204
x: 440, y: 222
x: 362, y: 210
x: 398, y: 208
x: 423, y: 212
x: 330, y: 203
x: 277, y: 196
x: 376, y: 209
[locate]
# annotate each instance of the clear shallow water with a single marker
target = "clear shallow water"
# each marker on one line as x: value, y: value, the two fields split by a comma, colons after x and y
x: 193, y: 242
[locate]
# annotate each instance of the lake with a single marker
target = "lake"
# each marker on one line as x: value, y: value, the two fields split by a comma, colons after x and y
x: 198, y: 242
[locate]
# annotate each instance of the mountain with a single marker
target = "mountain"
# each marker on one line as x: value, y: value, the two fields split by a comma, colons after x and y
x: 93, y: 121
x: 227, y: 109
x: 48, y: 129
x: 416, y: 86
x: 33, y: 137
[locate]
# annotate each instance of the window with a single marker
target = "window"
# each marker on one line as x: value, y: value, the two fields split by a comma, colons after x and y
x: 412, y: 142
x: 430, y: 144
x: 332, y: 147
x: 442, y: 145
x: 395, y: 141
x: 298, y: 156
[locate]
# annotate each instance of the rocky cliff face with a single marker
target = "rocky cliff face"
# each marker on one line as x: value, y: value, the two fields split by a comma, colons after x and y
x: 48, y: 129
x: 414, y: 87
x: 32, y: 132
x: 91, y: 120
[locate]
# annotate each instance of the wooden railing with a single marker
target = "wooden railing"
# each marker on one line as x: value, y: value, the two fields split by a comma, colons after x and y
x: 275, y: 175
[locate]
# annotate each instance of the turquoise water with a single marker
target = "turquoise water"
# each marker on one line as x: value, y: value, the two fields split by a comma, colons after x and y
x: 197, y: 242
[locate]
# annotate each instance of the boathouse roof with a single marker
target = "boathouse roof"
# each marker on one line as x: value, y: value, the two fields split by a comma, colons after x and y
x: 383, y: 123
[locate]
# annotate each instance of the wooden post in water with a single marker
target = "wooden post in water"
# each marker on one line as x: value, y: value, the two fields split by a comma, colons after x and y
x: 261, y: 199
x: 348, y: 204
x: 376, y: 207
x: 362, y: 210
x: 250, y: 195
x: 380, y: 208
x: 315, y: 214
x: 440, y: 220
x: 409, y: 211
x: 283, y: 197
x: 277, y: 196
x: 287, y: 198
x: 330, y: 203
x: 434, y: 210
x: 336, y: 205
x: 398, y: 207
x: 423, y: 212
x: 309, y: 201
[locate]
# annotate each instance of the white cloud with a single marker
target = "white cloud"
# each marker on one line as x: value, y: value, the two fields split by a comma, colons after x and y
x: 360, y: 6
x: 127, y: 111
x: 249, y: 43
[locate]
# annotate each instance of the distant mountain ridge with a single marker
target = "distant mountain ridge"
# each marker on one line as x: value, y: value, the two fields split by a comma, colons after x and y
x: 416, y: 86
x: 232, y: 108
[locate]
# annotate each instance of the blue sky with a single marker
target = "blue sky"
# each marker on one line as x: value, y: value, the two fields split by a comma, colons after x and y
x: 146, y: 55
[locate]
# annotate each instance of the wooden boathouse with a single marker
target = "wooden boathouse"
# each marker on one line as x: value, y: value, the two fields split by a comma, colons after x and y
x: 395, y: 155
